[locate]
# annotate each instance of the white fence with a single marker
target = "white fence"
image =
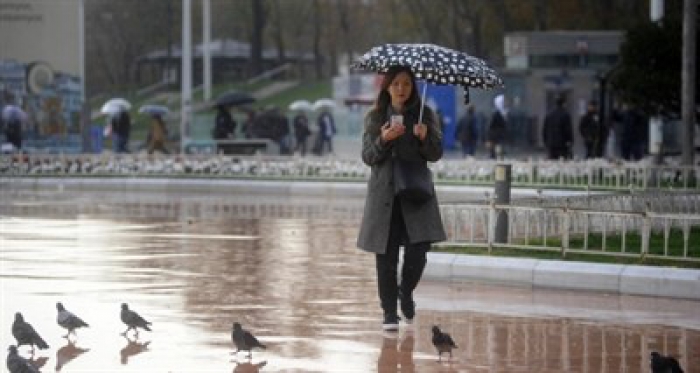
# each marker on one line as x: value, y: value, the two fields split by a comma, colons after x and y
x: 577, y: 230
x: 594, y: 175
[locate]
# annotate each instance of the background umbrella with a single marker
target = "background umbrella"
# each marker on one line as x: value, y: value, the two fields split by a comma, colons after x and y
x: 324, y: 103
x: 13, y: 112
x: 117, y: 102
x: 433, y: 63
x: 301, y: 105
x: 112, y: 108
x: 154, y: 110
x: 234, y: 98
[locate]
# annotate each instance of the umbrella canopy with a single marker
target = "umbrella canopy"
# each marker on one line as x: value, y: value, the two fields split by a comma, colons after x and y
x: 433, y: 63
x: 112, y: 108
x: 324, y: 103
x: 154, y: 110
x: 303, y: 105
x: 234, y: 98
x: 12, y: 113
x: 119, y: 102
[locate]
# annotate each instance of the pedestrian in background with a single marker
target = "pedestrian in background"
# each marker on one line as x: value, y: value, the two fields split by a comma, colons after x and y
x: 326, y: 131
x: 496, y: 135
x: 301, y: 132
x: 157, y: 135
x: 556, y: 132
x: 121, y: 130
x: 634, y: 131
x: 389, y: 221
x: 467, y: 132
x: 592, y: 131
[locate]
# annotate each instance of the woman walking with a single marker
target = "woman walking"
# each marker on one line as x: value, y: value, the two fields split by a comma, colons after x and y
x: 389, y: 221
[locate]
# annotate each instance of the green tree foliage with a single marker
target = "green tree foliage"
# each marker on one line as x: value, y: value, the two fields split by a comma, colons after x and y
x: 649, y: 75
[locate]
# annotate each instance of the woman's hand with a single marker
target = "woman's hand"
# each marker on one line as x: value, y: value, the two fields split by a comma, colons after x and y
x: 391, y: 131
x: 421, y: 131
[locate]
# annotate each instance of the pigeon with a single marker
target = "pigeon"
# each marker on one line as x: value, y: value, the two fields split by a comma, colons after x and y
x: 25, y: 334
x: 664, y: 364
x: 133, y: 320
x: 18, y: 364
x: 244, y: 341
x: 443, y: 342
x: 68, y: 320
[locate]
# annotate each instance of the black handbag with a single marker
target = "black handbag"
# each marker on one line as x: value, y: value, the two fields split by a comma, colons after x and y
x: 413, y: 180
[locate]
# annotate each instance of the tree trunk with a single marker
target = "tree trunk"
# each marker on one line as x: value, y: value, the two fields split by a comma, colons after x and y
x: 256, y: 37
x: 688, y: 78
x: 318, y: 63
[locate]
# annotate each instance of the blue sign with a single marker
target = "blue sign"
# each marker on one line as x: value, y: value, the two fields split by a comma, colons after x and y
x: 441, y: 98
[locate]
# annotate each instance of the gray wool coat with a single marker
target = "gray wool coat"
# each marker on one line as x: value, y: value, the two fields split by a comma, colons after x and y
x: 423, y: 220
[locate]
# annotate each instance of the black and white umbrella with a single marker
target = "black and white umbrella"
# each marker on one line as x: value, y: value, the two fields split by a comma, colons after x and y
x: 433, y: 63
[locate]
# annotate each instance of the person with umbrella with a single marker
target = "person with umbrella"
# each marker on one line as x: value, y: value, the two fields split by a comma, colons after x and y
x: 390, y: 221
x: 224, y: 125
x: 158, y: 131
x: 301, y: 131
x: 13, y: 118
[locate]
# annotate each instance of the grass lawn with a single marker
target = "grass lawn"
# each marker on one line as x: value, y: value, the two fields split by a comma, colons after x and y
x: 613, y: 244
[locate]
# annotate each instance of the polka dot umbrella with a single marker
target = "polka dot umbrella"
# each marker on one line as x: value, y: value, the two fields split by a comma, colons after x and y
x: 433, y: 63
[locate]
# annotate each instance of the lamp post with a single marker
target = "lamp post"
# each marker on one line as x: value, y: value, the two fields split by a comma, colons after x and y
x: 186, y: 98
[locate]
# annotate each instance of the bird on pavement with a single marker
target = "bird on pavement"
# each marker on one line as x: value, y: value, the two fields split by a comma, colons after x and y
x: 664, y: 364
x: 244, y: 340
x: 443, y: 342
x: 18, y: 364
x: 68, y: 320
x: 25, y: 334
x: 133, y: 320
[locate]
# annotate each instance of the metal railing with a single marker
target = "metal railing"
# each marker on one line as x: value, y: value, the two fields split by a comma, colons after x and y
x: 566, y: 230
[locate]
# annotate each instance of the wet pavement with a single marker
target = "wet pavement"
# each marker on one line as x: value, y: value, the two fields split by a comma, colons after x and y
x: 288, y: 270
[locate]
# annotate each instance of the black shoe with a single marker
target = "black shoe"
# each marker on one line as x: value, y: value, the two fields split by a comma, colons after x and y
x: 391, y: 322
x: 408, y: 307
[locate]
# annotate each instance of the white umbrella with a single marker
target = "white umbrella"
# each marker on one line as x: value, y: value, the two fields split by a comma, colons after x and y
x: 111, y: 109
x: 301, y: 105
x: 13, y: 112
x: 110, y: 106
x: 324, y: 103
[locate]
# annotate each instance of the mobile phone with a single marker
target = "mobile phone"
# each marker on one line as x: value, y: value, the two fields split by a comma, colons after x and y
x: 398, y: 119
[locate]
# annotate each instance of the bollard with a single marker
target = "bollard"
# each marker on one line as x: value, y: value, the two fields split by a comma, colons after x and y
x: 502, y: 186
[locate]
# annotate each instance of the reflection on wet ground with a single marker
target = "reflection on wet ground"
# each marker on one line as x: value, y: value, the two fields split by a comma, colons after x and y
x: 288, y: 270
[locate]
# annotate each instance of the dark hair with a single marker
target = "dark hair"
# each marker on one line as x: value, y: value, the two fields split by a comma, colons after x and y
x: 560, y: 100
x: 384, y: 99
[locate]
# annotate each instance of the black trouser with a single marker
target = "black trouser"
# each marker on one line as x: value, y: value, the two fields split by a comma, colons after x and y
x: 414, y: 260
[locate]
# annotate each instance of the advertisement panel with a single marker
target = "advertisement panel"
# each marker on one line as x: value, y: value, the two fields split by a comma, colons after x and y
x: 40, y: 66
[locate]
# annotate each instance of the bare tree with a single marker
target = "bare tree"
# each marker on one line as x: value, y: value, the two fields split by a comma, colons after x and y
x: 256, y: 37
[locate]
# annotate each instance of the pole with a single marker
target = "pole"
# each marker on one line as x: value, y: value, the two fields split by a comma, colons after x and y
x: 186, y: 99
x: 206, y: 40
x: 656, y: 14
x: 81, y: 42
x: 688, y: 75
x: 502, y: 191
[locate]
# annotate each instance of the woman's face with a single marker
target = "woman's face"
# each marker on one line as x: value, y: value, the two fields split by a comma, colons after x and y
x: 400, y: 89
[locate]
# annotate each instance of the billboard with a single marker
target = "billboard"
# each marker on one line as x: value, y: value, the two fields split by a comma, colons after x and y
x: 40, y: 64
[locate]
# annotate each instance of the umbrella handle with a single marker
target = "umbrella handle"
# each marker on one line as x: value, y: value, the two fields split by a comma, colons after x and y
x: 420, y: 116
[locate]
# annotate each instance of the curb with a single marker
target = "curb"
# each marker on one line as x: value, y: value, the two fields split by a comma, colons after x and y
x: 612, y: 278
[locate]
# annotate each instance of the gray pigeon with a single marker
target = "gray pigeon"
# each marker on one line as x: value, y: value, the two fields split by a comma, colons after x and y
x: 244, y: 340
x: 18, y: 364
x: 443, y: 342
x: 133, y: 320
x: 25, y: 334
x: 68, y: 320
